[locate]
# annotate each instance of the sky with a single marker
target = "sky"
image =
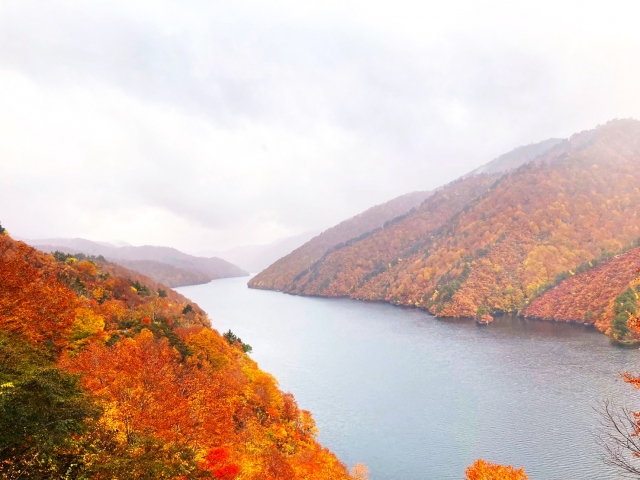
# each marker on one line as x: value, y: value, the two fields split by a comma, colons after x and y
x: 208, y: 125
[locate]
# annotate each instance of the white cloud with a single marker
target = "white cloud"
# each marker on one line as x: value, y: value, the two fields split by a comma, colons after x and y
x: 206, y: 125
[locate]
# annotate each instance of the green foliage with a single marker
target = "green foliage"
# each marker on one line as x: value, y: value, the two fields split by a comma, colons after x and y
x: 162, y: 329
x: 147, y: 458
x: 447, y: 286
x: 625, y: 306
x: 233, y: 339
x: 2, y: 230
x: 79, y: 287
x: 142, y: 290
x: 103, y: 275
x: 42, y: 410
x: 63, y: 257
x: 115, y: 338
x: 162, y: 293
x: 187, y: 309
x: 561, y: 277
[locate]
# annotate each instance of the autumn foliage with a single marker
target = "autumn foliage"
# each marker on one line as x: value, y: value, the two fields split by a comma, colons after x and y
x: 351, y: 265
x: 33, y: 304
x: 494, y: 244
x: 280, y: 275
x: 619, y: 426
x: 481, y: 470
x: 165, y: 396
x: 590, y: 296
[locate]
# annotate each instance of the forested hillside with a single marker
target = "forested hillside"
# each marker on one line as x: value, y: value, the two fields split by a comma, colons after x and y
x: 106, y: 374
x: 286, y: 274
x: 568, y: 207
x: 279, y: 275
x: 507, y: 242
x: 347, y: 266
x: 598, y: 293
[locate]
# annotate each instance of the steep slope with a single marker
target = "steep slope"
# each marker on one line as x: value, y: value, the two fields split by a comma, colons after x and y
x: 160, y: 395
x: 337, y: 266
x: 549, y: 216
x: 347, y: 266
x: 279, y: 275
x: 203, y: 268
x: 495, y: 248
x: 589, y: 296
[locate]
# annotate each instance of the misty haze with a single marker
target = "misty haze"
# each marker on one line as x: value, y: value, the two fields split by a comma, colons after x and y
x: 323, y: 240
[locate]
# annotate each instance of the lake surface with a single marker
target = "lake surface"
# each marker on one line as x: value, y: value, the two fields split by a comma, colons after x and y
x: 413, y: 397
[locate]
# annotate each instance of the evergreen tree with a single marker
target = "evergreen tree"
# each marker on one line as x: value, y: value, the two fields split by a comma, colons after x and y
x: 625, y: 306
x: 42, y: 410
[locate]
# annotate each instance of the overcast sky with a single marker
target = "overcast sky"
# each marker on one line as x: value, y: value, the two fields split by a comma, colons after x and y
x: 207, y: 125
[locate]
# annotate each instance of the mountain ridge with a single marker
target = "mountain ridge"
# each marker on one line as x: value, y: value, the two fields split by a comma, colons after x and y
x: 303, y: 257
x: 282, y: 274
x: 173, y: 267
x: 499, y: 250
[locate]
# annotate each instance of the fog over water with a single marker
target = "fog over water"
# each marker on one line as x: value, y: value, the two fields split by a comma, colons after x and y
x: 418, y: 398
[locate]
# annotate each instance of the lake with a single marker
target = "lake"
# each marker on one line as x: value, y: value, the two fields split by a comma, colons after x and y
x: 413, y: 397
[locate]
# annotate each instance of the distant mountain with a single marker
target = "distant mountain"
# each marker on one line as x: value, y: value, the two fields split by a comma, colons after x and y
x: 282, y: 272
x: 516, y: 157
x: 165, y: 273
x: 163, y: 264
x: 345, y: 266
x: 87, y: 247
x: 255, y: 258
x: 281, y: 275
x: 490, y: 242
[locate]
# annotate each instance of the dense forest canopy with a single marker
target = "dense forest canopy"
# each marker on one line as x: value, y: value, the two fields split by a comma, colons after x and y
x: 106, y: 374
x: 494, y: 243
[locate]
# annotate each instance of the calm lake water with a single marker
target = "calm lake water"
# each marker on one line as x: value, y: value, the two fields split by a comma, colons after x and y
x: 413, y: 397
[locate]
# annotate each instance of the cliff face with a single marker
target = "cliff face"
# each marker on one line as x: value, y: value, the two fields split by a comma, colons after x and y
x: 502, y: 242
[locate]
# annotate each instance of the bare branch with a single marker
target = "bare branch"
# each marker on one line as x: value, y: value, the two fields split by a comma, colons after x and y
x: 619, y: 437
